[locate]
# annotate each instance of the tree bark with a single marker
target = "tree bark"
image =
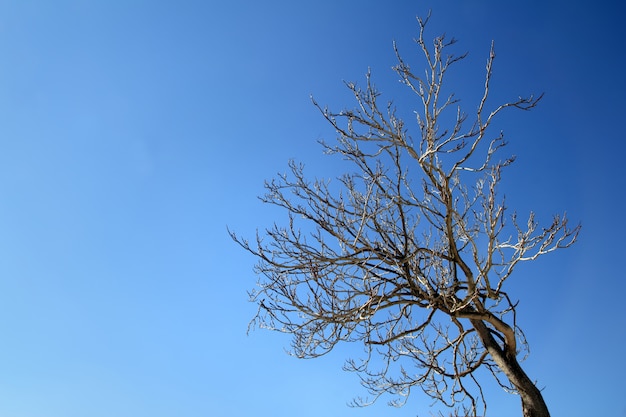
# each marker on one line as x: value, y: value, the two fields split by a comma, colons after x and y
x: 533, y: 404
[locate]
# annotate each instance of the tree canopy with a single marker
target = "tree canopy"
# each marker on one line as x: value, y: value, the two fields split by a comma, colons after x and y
x: 409, y: 253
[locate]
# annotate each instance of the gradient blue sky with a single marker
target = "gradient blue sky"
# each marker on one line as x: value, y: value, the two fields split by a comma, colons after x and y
x: 133, y: 132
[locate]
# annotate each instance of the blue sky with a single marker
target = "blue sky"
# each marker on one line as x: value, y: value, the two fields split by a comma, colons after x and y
x: 132, y: 133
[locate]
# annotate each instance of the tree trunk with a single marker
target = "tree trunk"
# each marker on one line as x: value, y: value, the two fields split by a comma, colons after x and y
x: 533, y: 404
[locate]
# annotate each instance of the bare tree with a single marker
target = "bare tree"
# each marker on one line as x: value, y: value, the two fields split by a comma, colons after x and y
x: 410, y: 253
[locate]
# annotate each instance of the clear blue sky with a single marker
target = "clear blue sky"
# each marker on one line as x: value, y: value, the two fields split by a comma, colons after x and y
x: 133, y: 132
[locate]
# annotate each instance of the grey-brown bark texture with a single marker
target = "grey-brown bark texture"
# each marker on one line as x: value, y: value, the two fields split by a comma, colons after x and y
x: 409, y: 254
